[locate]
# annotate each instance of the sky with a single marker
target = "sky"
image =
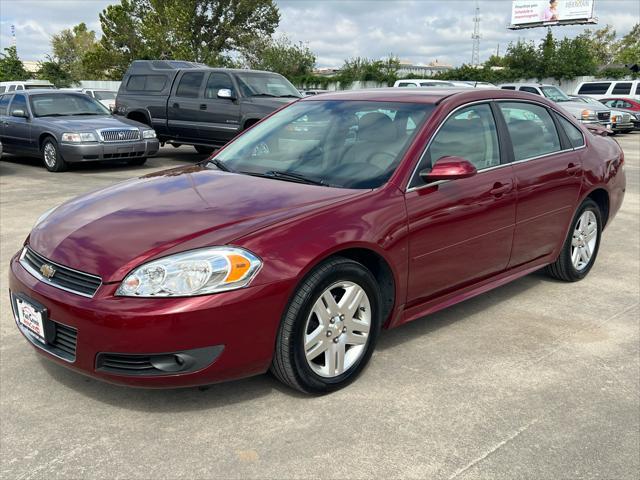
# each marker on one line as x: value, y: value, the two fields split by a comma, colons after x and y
x: 420, y: 31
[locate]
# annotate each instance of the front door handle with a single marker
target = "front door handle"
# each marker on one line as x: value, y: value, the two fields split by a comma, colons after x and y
x: 203, y: 106
x: 500, y: 189
x: 572, y: 168
x: 175, y: 105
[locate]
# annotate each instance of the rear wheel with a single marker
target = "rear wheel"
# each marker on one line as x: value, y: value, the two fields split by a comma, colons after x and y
x: 580, y: 249
x: 52, y: 157
x: 202, y: 149
x: 330, y: 328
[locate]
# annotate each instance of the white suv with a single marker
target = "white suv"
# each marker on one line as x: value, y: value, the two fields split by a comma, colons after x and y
x: 610, y: 88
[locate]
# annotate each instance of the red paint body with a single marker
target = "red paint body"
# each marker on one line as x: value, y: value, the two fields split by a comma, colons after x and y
x: 443, y: 243
x: 635, y: 105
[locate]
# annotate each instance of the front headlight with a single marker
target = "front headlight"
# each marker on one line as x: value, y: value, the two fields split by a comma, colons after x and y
x: 148, y: 134
x: 197, y: 272
x: 79, y: 137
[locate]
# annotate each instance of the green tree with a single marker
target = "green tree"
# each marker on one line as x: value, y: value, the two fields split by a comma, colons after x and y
x: 523, y: 60
x: 56, y: 73
x: 280, y: 55
x: 196, y: 30
x: 69, y: 47
x: 629, y: 47
x: 11, y: 67
x: 367, y: 70
x: 574, y: 58
x: 547, y: 55
x: 602, y: 43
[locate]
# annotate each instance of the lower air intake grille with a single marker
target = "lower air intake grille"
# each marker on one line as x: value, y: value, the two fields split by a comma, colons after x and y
x: 65, y: 339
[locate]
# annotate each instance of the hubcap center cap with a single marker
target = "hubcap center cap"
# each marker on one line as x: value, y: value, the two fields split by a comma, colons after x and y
x: 335, y: 327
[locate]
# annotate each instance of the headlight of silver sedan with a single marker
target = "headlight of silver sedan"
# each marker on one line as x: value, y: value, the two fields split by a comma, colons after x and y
x: 197, y: 272
x: 148, y: 134
x: 73, y: 137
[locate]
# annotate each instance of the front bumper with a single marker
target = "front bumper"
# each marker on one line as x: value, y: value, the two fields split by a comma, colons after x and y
x: 617, y: 127
x: 91, y: 152
x: 235, y: 331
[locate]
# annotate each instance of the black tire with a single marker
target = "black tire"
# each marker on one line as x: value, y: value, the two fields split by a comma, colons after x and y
x: 627, y: 131
x: 204, y: 150
x: 176, y: 145
x: 563, y: 268
x: 55, y: 163
x: 289, y: 364
x: 137, y: 161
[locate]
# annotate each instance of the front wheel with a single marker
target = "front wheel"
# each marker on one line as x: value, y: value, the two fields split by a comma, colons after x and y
x: 580, y: 249
x: 329, y: 329
x: 53, y: 160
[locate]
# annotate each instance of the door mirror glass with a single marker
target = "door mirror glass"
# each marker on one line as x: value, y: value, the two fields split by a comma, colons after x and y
x: 225, y: 93
x: 18, y: 112
x: 449, y: 168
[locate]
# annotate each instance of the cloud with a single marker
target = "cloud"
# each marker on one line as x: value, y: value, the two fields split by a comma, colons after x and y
x: 418, y: 30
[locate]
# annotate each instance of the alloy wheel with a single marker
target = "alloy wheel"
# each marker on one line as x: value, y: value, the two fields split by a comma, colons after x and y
x: 337, y: 329
x: 50, y: 155
x: 583, y: 242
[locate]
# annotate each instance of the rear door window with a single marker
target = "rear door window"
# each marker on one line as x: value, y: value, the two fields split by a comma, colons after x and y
x: 531, y: 128
x: 189, y: 85
x: 622, y: 88
x: 508, y: 88
x: 149, y: 83
x: 575, y: 135
x: 599, y: 88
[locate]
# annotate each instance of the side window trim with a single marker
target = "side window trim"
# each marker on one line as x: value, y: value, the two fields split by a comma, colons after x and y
x: 558, y: 115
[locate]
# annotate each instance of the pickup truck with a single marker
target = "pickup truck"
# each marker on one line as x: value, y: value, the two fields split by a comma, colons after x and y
x: 194, y: 104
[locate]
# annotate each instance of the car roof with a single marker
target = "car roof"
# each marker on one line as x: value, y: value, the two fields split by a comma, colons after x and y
x: 423, y: 95
x: 53, y: 91
x: 526, y: 84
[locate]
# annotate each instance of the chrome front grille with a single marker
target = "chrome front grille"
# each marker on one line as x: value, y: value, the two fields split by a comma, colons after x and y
x: 59, y: 276
x: 113, y: 135
x: 604, y: 116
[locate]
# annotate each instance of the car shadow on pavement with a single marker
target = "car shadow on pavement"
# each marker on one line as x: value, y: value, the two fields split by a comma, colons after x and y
x: 460, y: 311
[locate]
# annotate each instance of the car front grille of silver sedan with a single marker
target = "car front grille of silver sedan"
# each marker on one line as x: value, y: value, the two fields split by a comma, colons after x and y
x: 113, y: 135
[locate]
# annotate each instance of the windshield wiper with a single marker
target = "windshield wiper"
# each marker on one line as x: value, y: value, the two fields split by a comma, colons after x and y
x: 87, y: 113
x: 294, y: 177
x: 53, y: 115
x: 289, y: 96
x: 219, y: 164
x: 264, y: 95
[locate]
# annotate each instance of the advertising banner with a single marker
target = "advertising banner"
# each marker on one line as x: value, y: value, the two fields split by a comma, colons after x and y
x: 542, y: 13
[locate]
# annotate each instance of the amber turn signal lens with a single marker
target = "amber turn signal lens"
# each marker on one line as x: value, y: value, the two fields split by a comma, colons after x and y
x: 239, y: 266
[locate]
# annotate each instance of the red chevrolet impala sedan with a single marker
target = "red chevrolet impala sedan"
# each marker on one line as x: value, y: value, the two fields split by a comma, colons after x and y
x: 291, y: 248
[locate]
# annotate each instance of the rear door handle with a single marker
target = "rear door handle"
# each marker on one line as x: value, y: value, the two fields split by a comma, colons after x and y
x: 572, y: 168
x: 500, y: 189
x: 203, y: 106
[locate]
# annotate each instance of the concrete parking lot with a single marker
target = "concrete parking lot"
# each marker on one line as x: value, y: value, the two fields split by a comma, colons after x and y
x: 537, y: 379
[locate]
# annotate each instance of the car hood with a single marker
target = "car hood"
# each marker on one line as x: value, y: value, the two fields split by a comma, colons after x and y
x: 89, y: 122
x: 583, y: 106
x: 110, y: 231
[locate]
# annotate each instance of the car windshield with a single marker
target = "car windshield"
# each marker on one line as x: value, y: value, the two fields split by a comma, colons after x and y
x: 258, y: 84
x: 348, y: 144
x: 104, y: 95
x: 65, y: 104
x: 38, y: 87
x: 555, y: 94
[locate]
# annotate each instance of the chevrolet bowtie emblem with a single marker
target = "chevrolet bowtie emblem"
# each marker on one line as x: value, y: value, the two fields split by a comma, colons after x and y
x: 47, y: 270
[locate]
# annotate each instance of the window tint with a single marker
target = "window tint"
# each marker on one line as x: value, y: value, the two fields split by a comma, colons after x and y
x: 573, y: 132
x: 19, y: 103
x: 19, y: 87
x: 407, y: 84
x: 508, y: 88
x: 217, y: 81
x: 189, y: 85
x: 622, y: 88
x: 2, y: 88
x: 531, y: 128
x: 12, y: 88
x: 638, y: 88
x: 4, y: 103
x: 149, y: 83
x: 470, y: 134
x: 530, y: 90
x: 626, y: 105
x: 610, y: 103
x: 594, y: 88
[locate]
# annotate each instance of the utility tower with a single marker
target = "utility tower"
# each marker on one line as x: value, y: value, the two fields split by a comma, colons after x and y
x: 475, y: 53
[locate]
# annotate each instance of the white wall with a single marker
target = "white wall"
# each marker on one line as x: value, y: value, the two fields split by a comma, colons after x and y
x: 100, y: 84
